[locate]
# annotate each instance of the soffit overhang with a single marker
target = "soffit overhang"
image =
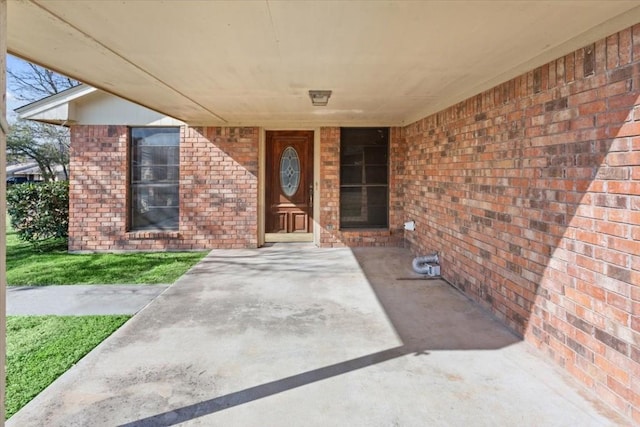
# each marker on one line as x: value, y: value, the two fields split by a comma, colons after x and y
x: 253, y: 62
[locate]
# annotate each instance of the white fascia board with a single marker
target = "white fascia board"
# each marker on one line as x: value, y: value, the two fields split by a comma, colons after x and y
x: 35, y: 110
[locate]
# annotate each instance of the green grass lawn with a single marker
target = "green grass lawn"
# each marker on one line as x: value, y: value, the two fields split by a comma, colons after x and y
x: 52, y: 265
x: 40, y: 349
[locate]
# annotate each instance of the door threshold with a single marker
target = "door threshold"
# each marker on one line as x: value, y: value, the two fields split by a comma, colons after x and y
x: 287, y: 237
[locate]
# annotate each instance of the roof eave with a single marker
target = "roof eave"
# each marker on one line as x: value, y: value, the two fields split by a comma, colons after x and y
x: 29, y: 111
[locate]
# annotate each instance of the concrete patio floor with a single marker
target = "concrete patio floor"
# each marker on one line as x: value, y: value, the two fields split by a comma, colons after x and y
x: 293, y: 335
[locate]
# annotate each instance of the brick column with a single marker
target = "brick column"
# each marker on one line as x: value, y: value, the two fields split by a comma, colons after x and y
x: 330, y: 187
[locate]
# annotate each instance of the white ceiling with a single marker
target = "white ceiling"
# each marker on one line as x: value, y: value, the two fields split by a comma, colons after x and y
x: 253, y: 62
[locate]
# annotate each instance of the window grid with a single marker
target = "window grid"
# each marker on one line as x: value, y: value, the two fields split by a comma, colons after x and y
x: 154, y: 178
x: 364, y: 177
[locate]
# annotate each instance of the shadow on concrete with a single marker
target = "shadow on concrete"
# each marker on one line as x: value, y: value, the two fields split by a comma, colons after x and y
x: 427, y: 315
x: 241, y: 397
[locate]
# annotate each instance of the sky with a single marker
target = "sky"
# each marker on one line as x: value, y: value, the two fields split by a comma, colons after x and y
x: 14, y: 64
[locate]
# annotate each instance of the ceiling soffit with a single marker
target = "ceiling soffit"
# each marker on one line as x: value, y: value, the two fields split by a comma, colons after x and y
x: 253, y: 63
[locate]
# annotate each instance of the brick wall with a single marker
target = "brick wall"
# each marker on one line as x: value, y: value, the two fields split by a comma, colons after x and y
x: 218, y: 191
x: 330, y: 187
x: 97, y: 186
x: 330, y: 234
x: 531, y: 193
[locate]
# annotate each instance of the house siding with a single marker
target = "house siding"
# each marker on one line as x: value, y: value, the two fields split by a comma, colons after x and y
x: 530, y: 192
x: 218, y: 191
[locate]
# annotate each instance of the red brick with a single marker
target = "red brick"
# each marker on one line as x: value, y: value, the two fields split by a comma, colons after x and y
x: 625, y: 100
x: 621, y: 303
x: 590, y: 290
x: 555, y: 186
x: 601, y: 59
x: 580, y: 375
x: 613, y: 257
x: 624, y: 159
x: 98, y: 155
x: 627, y: 129
x: 624, y: 245
x: 625, y: 46
x: 569, y: 65
x: 612, y: 369
x: 612, y: 52
x: 612, y: 228
x: 613, y: 117
x: 618, y: 388
x: 624, y: 187
x: 520, y: 221
x: 579, y: 298
x: 635, y: 33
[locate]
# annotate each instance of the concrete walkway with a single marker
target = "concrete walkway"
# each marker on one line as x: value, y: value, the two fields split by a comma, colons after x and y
x: 293, y: 335
x: 78, y: 300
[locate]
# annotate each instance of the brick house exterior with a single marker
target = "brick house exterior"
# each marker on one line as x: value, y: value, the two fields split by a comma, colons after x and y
x: 530, y: 192
x: 218, y: 202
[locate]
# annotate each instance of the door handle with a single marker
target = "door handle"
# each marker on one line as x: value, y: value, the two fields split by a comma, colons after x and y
x: 310, y: 195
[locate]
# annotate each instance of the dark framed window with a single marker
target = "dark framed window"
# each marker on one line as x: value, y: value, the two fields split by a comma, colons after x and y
x: 154, y: 178
x: 364, y: 178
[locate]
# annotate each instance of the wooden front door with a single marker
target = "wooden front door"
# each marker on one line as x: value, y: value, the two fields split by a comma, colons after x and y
x: 289, y: 182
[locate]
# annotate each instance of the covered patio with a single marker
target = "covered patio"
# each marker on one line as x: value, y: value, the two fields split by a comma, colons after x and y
x: 507, y: 132
x: 298, y: 335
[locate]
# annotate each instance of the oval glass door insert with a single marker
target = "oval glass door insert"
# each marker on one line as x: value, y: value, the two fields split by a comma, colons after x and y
x: 289, y: 171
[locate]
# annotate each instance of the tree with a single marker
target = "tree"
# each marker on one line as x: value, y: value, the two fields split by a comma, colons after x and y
x: 45, y: 144
x: 32, y: 82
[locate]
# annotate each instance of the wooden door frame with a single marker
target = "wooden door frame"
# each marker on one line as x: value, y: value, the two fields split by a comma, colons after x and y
x: 262, y: 165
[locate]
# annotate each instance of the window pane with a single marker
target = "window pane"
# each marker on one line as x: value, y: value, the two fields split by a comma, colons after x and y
x: 155, y: 173
x: 351, y: 204
x: 377, y: 196
x: 155, y: 206
x: 363, y: 207
x: 289, y: 171
x: 376, y: 175
x: 377, y: 216
x: 366, y: 136
x: 364, y: 177
x: 353, y: 158
x: 351, y: 175
x: 376, y: 155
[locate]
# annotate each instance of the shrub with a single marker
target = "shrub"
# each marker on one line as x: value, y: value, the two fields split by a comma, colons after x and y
x: 39, y: 211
